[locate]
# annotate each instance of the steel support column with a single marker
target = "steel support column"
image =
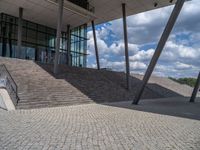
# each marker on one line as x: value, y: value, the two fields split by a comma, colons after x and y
x: 126, y: 46
x: 174, y: 15
x: 196, y: 89
x: 58, y: 34
x: 95, y: 45
x: 68, y: 46
x: 19, y: 35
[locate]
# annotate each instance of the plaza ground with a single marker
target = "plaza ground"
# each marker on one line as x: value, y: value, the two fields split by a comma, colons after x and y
x: 159, y: 124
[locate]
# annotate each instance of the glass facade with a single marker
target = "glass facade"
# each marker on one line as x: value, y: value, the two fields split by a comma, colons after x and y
x: 81, y: 3
x: 84, y: 4
x: 38, y: 42
x: 78, y: 46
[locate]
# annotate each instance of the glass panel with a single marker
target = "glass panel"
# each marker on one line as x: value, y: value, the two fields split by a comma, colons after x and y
x: 0, y: 47
x: 51, y: 31
x: 81, y: 3
x: 78, y: 46
x: 41, y: 39
x: 14, y: 49
x: 14, y: 32
x: 31, y: 25
x: 41, y: 28
x: 39, y: 42
x: 31, y: 36
x: 50, y: 55
x: 3, y: 17
x: 42, y: 54
x: 30, y: 53
x: 23, y: 52
x: 24, y: 31
x: 51, y: 41
x: 24, y: 23
x: 63, y: 57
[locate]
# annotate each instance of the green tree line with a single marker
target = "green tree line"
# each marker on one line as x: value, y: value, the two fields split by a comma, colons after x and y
x: 188, y: 81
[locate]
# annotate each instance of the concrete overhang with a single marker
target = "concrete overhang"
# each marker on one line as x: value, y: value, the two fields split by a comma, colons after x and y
x: 45, y: 11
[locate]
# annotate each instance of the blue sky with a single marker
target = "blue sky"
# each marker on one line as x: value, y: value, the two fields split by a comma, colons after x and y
x: 180, y: 57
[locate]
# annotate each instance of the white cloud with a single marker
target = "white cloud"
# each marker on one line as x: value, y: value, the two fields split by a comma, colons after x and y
x: 180, y: 65
x: 143, y: 55
x: 180, y: 57
x: 137, y: 66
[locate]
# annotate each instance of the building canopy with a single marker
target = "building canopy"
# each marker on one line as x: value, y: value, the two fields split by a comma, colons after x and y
x: 45, y: 11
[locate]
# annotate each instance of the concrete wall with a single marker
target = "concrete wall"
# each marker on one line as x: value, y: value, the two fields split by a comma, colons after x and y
x: 5, y: 100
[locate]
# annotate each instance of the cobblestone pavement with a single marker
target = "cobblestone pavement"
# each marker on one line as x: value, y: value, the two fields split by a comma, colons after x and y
x: 94, y: 127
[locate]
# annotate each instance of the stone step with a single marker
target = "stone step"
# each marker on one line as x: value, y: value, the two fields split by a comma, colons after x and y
x: 37, y: 87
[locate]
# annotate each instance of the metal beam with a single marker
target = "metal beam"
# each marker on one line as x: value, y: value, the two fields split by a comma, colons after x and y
x: 126, y: 46
x: 95, y: 45
x: 19, y: 35
x: 196, y: 89
x: 175, y: 13
x: 58, y: 34
x: 68, y: 46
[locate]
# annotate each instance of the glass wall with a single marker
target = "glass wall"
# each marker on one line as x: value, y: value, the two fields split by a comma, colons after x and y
x: 81, y: 3
x: 79, y: 46
x: 38, y: 42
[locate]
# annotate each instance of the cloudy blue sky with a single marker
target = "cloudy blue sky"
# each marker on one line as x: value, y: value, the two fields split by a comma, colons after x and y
x: 180, y: 57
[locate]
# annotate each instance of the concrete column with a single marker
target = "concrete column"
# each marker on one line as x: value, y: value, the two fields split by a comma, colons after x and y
x: 126, y: 46
x: 196, y: 89
x: 68, y: 46
x: 19, y: 35
x: 161, y: 44
x: 95, y: 45
x: 58, y: 34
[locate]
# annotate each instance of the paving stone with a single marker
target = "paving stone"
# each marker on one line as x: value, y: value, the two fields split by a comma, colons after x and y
x: 95, y: 126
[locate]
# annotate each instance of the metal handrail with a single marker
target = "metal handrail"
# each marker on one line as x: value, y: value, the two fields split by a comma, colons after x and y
x: 9, y: 84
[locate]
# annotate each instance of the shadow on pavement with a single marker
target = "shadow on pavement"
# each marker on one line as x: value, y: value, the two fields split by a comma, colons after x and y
x: 176, y: 106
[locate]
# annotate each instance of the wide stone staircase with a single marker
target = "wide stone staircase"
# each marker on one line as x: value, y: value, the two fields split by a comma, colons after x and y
x: 38, y: 87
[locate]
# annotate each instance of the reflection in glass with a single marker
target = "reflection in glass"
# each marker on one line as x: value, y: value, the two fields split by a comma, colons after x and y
x: 38, y: 42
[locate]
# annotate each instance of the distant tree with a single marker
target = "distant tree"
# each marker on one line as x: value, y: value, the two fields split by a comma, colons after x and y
x: 188, y: 81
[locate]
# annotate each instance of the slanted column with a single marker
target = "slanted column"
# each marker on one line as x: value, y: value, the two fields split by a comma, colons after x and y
x: 19, y: 35
x: 95, y: 45
x: 126, y: 46
x: 196, y: 89
x: 175, y: 13
x: 68, y: 46
x: 58, y: 35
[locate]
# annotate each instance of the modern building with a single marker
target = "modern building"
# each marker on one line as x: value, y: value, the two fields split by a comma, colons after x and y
x: 55, y: 31
x: 38, y: 42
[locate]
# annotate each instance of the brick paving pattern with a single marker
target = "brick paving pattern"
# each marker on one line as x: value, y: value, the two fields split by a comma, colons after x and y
x: 96, y: 127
